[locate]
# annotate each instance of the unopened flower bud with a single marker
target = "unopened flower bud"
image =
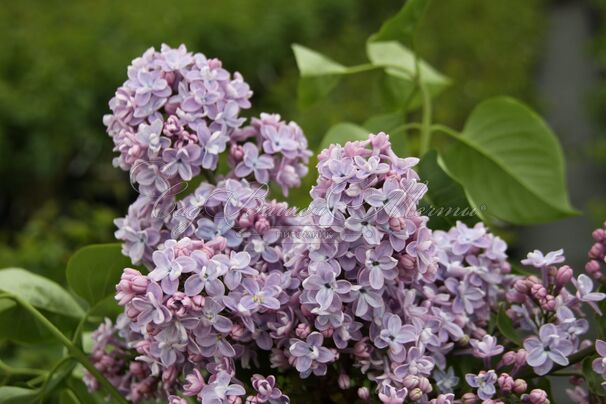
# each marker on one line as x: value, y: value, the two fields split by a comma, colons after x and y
x: 599, y: 235
x: 410, y: 381
x: 303, y: 330
x: 469, y: 398
x: 505, y: 382
x: 425, y: 385
x: 262, y: 225
x: 538, y: 291
x: 538, y: 396
x: 519, y: 386
x: 597, y: 251
x: 344, y: 381
x: 564, y: 275
x: 593, y: 269
x: 509, y: 358
x: 363, y: 393
x: 415, y: 394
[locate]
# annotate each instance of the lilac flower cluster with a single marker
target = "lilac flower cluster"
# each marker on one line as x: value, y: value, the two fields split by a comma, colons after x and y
x: 173, y: 118
x: 270, y: 150
x: 356, y: 289
x: 176, y: 111
x: 552, y: 314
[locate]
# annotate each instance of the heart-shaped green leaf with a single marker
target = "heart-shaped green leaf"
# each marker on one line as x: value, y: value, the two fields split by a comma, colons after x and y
x: 402, y: 26
x: 312, y: 63
x: 445, y: 202
x: 93, y: 271
x: 508, y: 160
x: 40, y: 292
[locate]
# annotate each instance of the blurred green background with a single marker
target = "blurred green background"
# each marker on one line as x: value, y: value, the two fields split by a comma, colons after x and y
x: 61, y: 62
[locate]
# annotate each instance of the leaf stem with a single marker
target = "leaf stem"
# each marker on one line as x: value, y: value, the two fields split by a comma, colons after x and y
x: 427, y: 110
x: 71, y: 348
x: 362, y: 68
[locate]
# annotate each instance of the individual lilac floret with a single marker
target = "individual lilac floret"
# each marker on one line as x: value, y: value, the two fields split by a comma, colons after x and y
x: 550, y: 347
x: 584, y: 286
x: 388, y: 394
x: 310, y: 355
x: 446, y: 380
x: 538, y: 260
x: 267, y: 391
x: 220, y: 389
x: 484, y: 382
x: 487, y: 347
x: 394, y: 335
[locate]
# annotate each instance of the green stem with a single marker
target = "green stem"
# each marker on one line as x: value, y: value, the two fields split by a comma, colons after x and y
x: 427, y: 111
x: 50, y: 375
x: 362, y: 68
x: 72, y: 349
x: 11, y: 371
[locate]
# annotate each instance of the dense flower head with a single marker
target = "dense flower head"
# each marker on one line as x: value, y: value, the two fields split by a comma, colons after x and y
x: 356, y: 289
x: 173, y: 115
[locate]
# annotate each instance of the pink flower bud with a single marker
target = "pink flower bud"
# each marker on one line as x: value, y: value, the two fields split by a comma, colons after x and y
x: 593, y: 269
x: 344, y: 381
x: 505, y: 382
x: 564, y: 275
x: 410, y: 381
x: 415, y: 394
x: 303, y: 330
x: 509, y: 358
x: 519, y: 386
x: 262, y: 225
x: 363, y: 393
x: 597, y: 251
x: 521, y: 357
x: 538, y: 396
x: 599, y: 235
x: 425, y: 385
x: 236, y: 153
x: 521, y: 286
x: 549, y: 303
x: 538, y: 291
x: 469, y: 398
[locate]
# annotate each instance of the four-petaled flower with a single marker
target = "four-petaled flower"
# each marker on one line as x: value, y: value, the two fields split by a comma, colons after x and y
x: 484, y: 382
x: 550, y: 346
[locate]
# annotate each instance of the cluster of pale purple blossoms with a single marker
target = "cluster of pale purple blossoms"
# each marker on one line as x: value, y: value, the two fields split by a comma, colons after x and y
x: 173, y: 117
x: 356, y: 289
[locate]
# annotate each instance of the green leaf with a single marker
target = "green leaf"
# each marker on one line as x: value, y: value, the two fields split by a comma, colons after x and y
x: 17, y: 395
x: 399, y: 63
x: 402, y: 26
x: 594, y: 381
x: 342, y: 133
x: 445, y: 201
x: 312, y: 89
x: 398, y: 88
x: 25, y: 329
x: 312, y: 63
x: 505, y: 325
x: 40, y: 292
x: 93, y: 271
x: 509, y: 160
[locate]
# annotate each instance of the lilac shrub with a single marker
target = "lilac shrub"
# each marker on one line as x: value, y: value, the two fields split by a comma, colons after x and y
x: 244, y: 299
